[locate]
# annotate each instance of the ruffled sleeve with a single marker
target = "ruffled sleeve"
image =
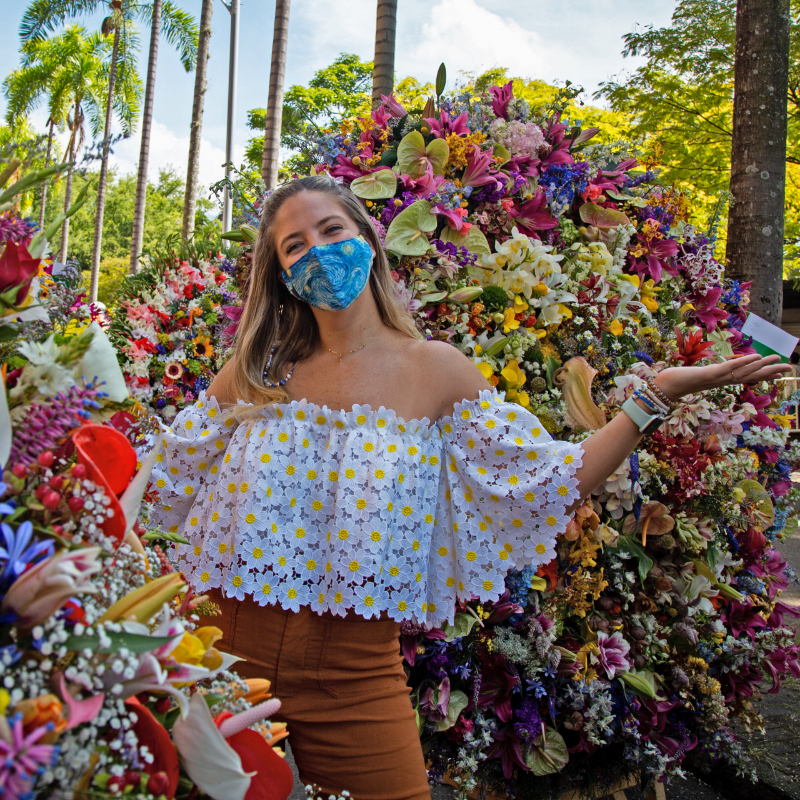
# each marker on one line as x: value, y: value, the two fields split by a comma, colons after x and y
x: 194, y: 447
x: 507, y: 487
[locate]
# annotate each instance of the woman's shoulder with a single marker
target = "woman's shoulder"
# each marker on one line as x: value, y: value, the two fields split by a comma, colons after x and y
x: 448, y: 373
x: 221, y: 388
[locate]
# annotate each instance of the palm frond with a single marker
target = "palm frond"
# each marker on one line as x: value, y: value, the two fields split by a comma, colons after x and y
x: 45, y: 16
x: 180, y: 29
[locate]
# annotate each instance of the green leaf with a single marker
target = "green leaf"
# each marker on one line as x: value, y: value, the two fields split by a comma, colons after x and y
x: 232, y: 236
x: 151, y: 536
x: 433, y: 297
x: 413, y: 157
x: 458, y: 702
x: 641, y: 683
x: 380, y: 185
x: 497, y: 347
x: 634, y: 547
x: 499, y: 150
x: 135, y: 642
x: 548, y: 756
x: 407, y: 233
x: 388, y: 157
x: 441, y: 79
x: 551, y: 364
x: 462, y: 625
x: 474, y: 241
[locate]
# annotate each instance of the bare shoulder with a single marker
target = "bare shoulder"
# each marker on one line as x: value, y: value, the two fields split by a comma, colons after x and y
x: 449, y: 374
x: 221, y: 387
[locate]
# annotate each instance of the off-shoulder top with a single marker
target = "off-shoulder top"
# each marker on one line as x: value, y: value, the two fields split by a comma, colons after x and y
x: 303, y: 506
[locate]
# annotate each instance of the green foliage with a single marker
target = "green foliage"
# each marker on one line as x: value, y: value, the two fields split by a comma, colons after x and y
x: 112, y: 273
x: 163, y: 218
x: 681, y: 99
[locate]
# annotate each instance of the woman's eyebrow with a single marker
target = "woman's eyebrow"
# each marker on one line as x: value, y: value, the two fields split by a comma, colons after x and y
x: 299, y: 234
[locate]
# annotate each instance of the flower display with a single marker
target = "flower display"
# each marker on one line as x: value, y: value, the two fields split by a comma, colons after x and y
x: 102, y: 657
x: 557, y: 263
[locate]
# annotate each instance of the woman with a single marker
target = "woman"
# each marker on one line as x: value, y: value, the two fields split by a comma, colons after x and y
x: 342, y: 475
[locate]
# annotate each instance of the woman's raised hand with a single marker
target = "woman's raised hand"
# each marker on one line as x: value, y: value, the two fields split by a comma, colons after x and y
x: 676, y: 382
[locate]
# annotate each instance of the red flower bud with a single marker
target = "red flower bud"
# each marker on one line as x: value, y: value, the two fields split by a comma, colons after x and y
x: 158, y: 783
x: 19, y: 470
x: 51, y: 499
x: 79, y: 471
x: 56, y: 482
x: 75, y: 504
x: 133, y: 778
x: 40, y: 491
x: 116, y: 784
x: 58, y: 530
x: 46, y: 459
x: 163, y: 705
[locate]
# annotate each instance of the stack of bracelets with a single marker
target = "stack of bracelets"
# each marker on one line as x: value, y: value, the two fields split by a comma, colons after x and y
x: 655, y: 399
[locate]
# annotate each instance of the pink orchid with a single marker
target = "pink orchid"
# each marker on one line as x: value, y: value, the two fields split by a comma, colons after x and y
x: 613, y: 652
x: 390, y: 102
x: 477, y: 171
x: 533, y: 216
x: 501, y: 97
x: 440, y: 129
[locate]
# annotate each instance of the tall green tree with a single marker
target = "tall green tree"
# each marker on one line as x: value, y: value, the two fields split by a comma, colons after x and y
x: 72, y: 70
x: 122, y: 25
x: 273, y: 123
x: 681, y: 99
x: 180, y: 30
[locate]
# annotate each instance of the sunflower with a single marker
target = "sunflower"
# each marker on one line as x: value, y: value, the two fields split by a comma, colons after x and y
x: 203, y: 346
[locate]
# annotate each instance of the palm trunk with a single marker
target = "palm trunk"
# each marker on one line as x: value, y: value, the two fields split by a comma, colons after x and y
x: 103, y: 181
x: 277, y: 70
x: 62, y: 255
x: 758, y: 157
x: 383, y: 69
x: 193, y: 168
x: 46, y: 164
x: 144, y: 151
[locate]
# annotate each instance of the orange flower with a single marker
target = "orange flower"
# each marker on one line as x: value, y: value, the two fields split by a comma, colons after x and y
x: 39, y: 712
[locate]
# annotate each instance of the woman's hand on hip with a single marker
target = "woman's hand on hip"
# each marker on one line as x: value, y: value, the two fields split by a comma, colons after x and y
x: 676, y: 382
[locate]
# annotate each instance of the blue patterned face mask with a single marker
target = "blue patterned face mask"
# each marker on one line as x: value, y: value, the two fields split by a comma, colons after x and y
x: 331, y: 276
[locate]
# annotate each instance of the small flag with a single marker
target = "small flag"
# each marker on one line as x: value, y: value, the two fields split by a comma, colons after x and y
x: 769, y: 339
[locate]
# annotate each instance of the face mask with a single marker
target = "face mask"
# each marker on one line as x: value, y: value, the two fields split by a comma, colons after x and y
x: 331, y: 276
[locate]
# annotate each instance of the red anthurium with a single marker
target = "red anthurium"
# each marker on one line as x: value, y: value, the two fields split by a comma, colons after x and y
x: 110, y: 462
x: 17, y: 269
x: 151, y: 732
x: 273, y: 779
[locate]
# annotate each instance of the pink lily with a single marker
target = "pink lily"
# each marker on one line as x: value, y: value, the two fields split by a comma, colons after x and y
x: 501, y: 97
x: 759, y: 402
x: 533, y: 216
x: 525, y: 165
x: 395, y: 108
x: 380, y: 116
x: 706, y: 310
x: 779, y: 611
x: 560, y: 146
x: 779, y: 662
x: 654, y: 257
x: 477, y: 171
x: 743, y: 618
x: 773, y: 568
x: 441, y: 129
x: 612, y: 179
x: 424, y: 186
x: 80, y: 711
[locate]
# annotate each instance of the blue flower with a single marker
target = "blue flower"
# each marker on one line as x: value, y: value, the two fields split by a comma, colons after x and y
x: 19, y: 552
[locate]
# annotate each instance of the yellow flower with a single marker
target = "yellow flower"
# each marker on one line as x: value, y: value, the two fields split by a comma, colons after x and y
x: 514, y: 376
x: 519, y: 305
x: 486, y: 370
x: 784, y: 420
x: 649, y: 292
x: 203, y: 346
x: 510, y: 323
x: 616, y: 327
x: 198, y: 648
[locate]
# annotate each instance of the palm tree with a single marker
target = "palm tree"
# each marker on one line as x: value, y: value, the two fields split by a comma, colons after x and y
x: 179, y: 29
x: 193, y: 168
x: 277, y: 70
x: 383, y: 69
x: 72, y: 70
x: 43, y: 16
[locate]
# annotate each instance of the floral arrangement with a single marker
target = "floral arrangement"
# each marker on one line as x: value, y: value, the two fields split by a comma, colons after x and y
x: 569, y: 275
x: 111, y: 682
x: 168, y: 327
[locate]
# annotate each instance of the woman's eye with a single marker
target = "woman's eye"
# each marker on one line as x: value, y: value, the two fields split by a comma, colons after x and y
x: 292, y: 247
x: 333, y: 229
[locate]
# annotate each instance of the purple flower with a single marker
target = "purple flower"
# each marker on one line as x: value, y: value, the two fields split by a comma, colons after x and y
x: 743, y: 618
x: 613, y: 651
x: 501, y: 97
x: 774, y: 568
x: 433, y: 701
x: 18, y: 552
x: 444, y: 126
x: 14, y: 229
x: 775, y: 619
x: 22, y: 759
x: 528, y: 724
x: 779, y: 662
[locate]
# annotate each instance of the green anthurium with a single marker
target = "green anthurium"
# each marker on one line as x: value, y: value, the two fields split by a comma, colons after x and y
x: 432, y: 298
x: 406, y: 235
x: 458, y: 702
x: 757, y: 500
x: 603, y: 218
x: 548, y: 755
x: 413, y: 157
x: 462, y: 625
x: 499, y: 150
x: 474, y: 240
x: 380, y: 185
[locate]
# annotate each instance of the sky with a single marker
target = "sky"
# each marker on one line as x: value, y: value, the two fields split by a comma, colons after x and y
x: 576, y: 40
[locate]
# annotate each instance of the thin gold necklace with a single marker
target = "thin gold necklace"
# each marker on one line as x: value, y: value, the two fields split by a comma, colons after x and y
x: 336, y: 353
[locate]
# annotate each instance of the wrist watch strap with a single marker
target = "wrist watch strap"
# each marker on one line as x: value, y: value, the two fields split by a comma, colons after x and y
x: 646, y: 423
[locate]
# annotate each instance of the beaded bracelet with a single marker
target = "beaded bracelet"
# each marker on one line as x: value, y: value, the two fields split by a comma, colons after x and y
x: 655, y: 401
x: 670, y: 404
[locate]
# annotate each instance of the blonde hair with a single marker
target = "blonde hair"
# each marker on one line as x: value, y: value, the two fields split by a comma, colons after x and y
x: 274, y: 319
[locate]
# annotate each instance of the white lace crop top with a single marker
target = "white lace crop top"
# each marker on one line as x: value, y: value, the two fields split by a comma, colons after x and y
x: 302, y: 506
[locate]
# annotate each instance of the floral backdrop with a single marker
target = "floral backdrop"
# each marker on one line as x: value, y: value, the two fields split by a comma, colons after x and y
x: 569, y: 275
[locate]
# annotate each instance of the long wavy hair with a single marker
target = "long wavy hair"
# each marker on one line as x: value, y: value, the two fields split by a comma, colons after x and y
x: 274, y: 319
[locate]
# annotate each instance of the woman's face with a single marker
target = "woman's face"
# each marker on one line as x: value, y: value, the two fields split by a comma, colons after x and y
x: 307, y: 220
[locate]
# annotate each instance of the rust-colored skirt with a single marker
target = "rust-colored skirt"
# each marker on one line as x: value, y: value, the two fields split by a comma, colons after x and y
x: 343, y: 694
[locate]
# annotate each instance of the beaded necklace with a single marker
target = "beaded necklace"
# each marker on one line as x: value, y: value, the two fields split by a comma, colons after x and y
x: 269, y: 383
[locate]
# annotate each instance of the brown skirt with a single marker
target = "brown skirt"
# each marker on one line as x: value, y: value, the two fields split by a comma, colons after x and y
x: 343, y: 694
